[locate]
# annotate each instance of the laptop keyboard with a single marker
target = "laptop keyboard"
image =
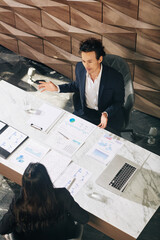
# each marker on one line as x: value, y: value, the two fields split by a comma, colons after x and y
x: 122, y: 176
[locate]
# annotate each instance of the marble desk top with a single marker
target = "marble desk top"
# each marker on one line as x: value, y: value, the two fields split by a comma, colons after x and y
x: 129, y: 212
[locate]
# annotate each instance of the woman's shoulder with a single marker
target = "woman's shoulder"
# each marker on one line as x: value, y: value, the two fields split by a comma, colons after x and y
x: 62, y: 194
x: 59, y: 191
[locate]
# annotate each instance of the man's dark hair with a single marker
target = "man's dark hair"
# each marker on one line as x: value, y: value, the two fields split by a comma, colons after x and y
x: 92, y: 44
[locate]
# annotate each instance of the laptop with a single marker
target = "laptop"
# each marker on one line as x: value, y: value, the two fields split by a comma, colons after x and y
x: 117, y: 174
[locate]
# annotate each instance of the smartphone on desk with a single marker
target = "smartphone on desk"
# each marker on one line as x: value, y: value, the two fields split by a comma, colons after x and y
x: 38, y: 81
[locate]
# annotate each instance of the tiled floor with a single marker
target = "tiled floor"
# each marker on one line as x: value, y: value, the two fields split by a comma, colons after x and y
x: 13, y: 69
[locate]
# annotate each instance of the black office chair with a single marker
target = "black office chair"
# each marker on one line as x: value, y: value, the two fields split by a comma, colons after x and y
x: 119, y: 64
x: 79, y: 232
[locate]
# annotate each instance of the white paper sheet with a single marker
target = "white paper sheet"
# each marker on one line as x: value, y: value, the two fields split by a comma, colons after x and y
x: 32, y: 152
x: 46, y: 116
x: 105, y: 149
x: 71, y: 134
x: 73, y: 178
x: 55, y: 164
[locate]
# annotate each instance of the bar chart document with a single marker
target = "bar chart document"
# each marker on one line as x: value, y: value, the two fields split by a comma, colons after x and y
x: 33, y: 151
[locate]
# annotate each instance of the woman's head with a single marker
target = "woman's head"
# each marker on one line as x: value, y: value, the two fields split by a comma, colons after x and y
x: 36, y: 183
x: 36, y: 206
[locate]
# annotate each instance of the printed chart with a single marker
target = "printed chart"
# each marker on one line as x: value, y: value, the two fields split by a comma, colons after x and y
x: 105, y: 149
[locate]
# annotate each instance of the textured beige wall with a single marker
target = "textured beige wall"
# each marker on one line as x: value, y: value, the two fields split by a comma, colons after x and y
x: 49, y: 31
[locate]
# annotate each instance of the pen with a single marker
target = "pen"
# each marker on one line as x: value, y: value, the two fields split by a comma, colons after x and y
x: 70, y: 185
x: 35, y: 126
x: 63, y: 135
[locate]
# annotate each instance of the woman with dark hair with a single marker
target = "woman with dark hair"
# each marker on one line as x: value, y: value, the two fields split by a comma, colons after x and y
x: 42, y: 211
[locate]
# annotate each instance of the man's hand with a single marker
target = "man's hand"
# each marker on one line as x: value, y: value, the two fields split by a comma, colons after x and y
x: 104, y: 120
x: 47, y: 86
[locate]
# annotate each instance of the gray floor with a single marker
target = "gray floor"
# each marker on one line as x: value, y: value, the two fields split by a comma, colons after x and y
x: 13, y: 69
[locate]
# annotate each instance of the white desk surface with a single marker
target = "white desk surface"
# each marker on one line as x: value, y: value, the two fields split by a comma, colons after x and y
x: 128, y: 213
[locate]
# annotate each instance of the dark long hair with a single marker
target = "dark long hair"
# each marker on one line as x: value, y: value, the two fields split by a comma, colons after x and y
x: 36, y: 206
x: 92, y: 44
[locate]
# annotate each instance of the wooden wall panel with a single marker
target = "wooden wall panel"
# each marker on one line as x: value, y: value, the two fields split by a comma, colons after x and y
x: 9, y: 42
x: 147, y: 47
x: 49, y: 31
x: 152, y: 80
x: 146, y: 106
x: 56, y: 52
x: 33, y: 41
x: 148, y: 93
x: 58, y: 39
x: 60, y: 11
x: 7, y: 16
x: 129, y: 7
x: 88, y: 8
x: 60, y: 66
x: 149, y: 11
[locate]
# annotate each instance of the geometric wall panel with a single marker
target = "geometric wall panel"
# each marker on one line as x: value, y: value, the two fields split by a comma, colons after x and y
x: 129, y: 8
x: 60, y: 66
x: 148, y: 47
x: 152, y: 80
x: 49, y: 31
x: 9, y: 42
x: 7, y: 16
x: 149, y: 8
x: 88, y: 8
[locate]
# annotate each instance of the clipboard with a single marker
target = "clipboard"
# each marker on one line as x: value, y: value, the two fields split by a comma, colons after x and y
x: 10, y: 140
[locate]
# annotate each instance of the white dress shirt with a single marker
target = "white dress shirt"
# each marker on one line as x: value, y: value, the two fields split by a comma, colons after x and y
x: 92, y: 90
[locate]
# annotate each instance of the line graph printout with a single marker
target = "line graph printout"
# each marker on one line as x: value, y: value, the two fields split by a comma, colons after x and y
x: 55, y: 164
x: 32, y: 152
x: 10, y: 139
x: 73, y: 178
x: 105, y: 149
x: 71, y: 134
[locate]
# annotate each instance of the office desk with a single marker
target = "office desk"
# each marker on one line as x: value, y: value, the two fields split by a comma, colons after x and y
x: 120, y: 217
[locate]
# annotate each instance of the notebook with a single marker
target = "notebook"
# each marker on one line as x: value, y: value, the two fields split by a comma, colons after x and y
x: 117, y: 174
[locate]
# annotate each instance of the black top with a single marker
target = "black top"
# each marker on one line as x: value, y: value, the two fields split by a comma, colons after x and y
x: 63, y: 229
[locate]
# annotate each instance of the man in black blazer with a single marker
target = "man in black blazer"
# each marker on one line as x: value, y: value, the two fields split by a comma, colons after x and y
x: 99, y: 89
